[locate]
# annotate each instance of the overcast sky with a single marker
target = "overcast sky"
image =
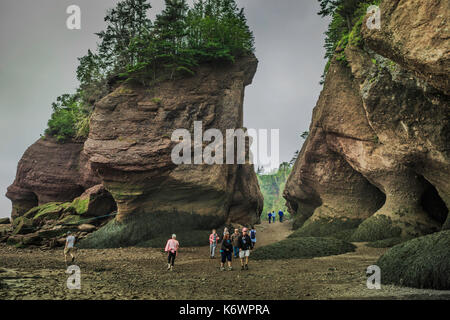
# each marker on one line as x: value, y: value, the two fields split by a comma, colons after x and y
x: 38, y: 59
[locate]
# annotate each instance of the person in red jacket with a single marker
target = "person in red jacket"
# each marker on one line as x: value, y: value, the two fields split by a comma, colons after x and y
x: 213, y: 241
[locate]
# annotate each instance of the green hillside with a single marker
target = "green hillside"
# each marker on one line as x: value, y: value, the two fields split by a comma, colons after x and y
x: 272, y: 186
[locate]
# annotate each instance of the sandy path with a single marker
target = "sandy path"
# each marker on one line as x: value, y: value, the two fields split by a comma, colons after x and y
x: 270, y: 233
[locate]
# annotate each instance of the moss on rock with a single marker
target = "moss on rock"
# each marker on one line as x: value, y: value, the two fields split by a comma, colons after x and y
x: 345, y: 235
x: 71, y: 219
x: 48, y: 211
x: 194, y: 238
x: 422, y: 262
x: 80, y: 206
x: 377, y: 227
x: 386, y: 243
x: 305, y: 247
x: 323, y: 227
x: 22, y: 225
x: 142, y: 227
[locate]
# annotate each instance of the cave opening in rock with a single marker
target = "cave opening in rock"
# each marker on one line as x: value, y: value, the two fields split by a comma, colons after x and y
x: 433, y: 204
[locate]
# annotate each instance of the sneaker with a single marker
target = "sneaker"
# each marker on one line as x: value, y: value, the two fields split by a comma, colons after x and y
x: 230, y: 268
x: 222, y: 269
x: 171, y: 268
x: 246, y: 267
x: 168, y: 266
x: 242, y: 267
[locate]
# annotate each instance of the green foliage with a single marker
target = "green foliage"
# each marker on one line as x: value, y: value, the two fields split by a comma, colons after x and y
x: 183, y: 37
x: 272, y: 186
x: 69, y: 120
x: 301, y: 248
x: 347, y: 17
x: 423, y: 262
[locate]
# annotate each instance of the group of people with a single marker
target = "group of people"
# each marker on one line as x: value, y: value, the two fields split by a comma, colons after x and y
x: 272, y: 216
x: 237, y: 245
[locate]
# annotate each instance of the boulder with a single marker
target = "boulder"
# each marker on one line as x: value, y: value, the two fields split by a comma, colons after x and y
x: 95, y: 201
x: 86, y: 227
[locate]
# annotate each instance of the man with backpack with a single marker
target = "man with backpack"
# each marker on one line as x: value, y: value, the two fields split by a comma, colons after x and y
x: 270, y: 217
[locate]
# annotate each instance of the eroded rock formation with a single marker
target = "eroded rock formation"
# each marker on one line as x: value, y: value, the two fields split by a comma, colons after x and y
x: 378, y: 148
x: 130, y: 146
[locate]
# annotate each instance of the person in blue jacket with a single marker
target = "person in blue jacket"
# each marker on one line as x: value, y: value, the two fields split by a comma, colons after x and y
x: 280, y: 214
x: 270, y: 216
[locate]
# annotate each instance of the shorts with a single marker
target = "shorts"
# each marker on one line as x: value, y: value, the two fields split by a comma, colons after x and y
x: 244, y: 253
x: 226, y: 256
x: 69, y: 250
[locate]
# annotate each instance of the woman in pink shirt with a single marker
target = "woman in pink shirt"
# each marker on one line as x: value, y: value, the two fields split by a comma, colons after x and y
x: 172, y: 248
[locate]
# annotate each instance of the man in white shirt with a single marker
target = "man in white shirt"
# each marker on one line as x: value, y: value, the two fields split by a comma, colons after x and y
x: 69, y: 247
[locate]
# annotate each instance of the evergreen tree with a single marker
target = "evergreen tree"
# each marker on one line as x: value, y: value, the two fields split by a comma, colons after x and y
x: 127, y: 21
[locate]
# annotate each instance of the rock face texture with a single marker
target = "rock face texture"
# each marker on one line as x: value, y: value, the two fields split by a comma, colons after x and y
x: 378, y: 148
x: 48, y: 172
x: 130, y: 146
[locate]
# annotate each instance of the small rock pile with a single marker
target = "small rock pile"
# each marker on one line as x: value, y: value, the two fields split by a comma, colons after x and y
x: 47, y: 225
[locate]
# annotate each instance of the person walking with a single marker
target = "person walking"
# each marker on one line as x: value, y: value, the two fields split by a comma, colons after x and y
x: 69, y: 248
x: 270, y: 217
x: 213, y: 241
x: 225, y: 252
x: 273, y: 216
x: 172, y: 246
x: 281, y: 214
x: 245, y: 244
x: 253, y: 236
x: 235, y: 242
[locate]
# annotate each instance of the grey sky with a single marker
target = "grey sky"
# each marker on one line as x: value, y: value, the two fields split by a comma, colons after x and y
x: 38, y: 59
